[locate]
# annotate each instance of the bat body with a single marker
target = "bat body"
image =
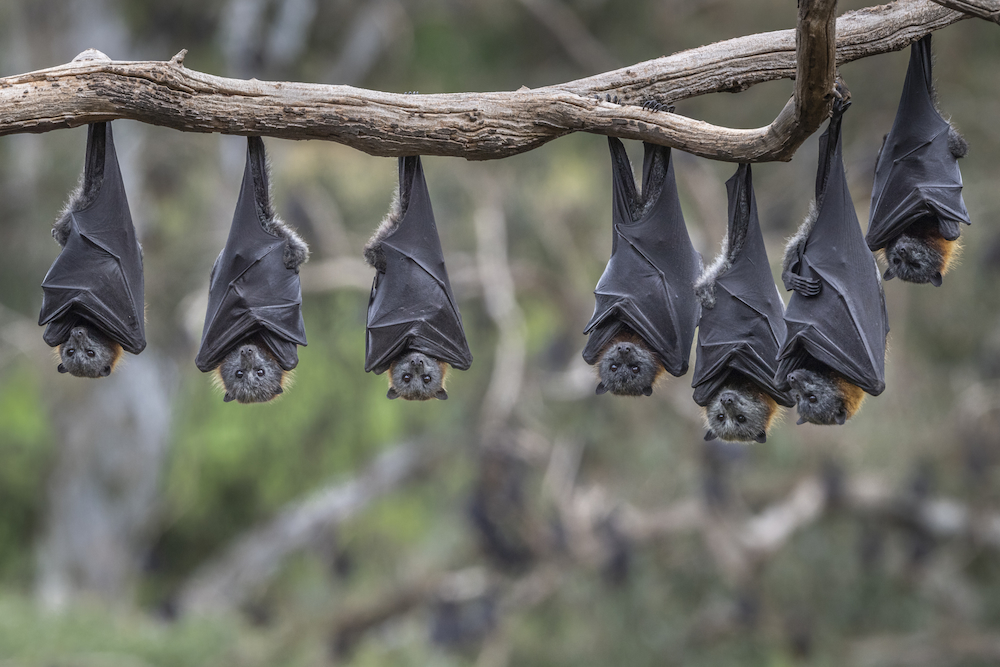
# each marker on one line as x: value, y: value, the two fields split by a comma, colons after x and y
x: 92, y: 299
x: 836, y: 318
x: 917, y: 207
x: 645, y: 312
x: 254, y: 320
x: 414, y: 326
x: 741, y: 328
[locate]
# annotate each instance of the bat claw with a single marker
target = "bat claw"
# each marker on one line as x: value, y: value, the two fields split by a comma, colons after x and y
x: 653, y: 105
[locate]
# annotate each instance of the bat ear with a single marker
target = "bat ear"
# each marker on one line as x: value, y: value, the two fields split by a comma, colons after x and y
x: 279, y: 390
x: 442, y: 394
x: 647, y: 391
x: 936, y: 279
x: 802, y: 420
x: 106, y: 371
x: 392, y: 393
x: 761, y: 437
x: 841, y: 416
x: 601, y: 388
x: 710, y: 435
x: 62, y: 369
x: 888, y: 275
x: 228, y: 397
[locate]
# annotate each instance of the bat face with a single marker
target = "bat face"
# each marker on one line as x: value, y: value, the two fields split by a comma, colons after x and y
x: 88, y: 353
x: 250, y: 374
x: 818, y: 397
x: 919, y: 255
x: 628, y: 368
x: 739, y: 413
x: 417, y: 377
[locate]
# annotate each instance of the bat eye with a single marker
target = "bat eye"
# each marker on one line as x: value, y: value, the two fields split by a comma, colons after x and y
x: 635, y: 369
x: 239, y: 375
x: 721, y: 417
x: 427, y: 379
x: 740, y: 418
x: 260, y: 372
x: 407, y: 377
x: 70, y: 352
x: 614, y: 368
x: 90, y: 353
x: 812, y: 398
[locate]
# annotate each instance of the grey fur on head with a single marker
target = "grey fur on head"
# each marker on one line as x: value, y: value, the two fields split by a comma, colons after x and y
x: 88, y: 353
x: 250, y: 374
x: 913, y: 259
x: 416, y: 376
x: 818, y: 396
x: 627, y: 369
x: 738, y: 412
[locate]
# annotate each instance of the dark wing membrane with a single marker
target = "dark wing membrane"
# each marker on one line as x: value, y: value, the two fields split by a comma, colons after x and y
x: 916, y: 176
x: 252, y: 293
x: 745, y: 329
x: 97, y: 276
x: 412, y: 306
x: 845, y: 325
x: 647, y: 284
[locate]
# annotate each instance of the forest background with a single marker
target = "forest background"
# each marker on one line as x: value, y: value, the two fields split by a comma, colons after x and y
x: 524, y: 521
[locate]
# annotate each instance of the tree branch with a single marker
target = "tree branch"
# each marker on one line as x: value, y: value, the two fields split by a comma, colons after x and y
x: 482, y: 126
x: 984, y: 9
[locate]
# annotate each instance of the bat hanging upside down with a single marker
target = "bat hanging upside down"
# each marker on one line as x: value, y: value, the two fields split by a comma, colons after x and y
x: 92, y: 299
x: 414, y: 327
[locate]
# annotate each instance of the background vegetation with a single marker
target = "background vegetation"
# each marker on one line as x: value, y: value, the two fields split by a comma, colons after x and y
x: 391, y: 585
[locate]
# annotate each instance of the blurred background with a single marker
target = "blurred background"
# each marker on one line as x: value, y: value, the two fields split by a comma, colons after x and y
x: 525, y: 521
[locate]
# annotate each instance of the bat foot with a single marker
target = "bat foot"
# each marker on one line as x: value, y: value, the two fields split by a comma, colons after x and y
x: 654, y: 105
x: 807, y: 287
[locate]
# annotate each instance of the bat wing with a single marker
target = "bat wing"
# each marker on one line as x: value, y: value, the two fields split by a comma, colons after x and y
x: 251, y: 292
x: 845, y: 325
x: 97, y: 276
x: 916, y: 176
x: 745, y: 329
x: 648, y: 282
x: 412, y: 306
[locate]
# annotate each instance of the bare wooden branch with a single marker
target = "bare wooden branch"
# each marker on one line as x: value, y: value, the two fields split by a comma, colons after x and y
x: 226, y: 582
x: 984, y: 9
x: 492, y: 125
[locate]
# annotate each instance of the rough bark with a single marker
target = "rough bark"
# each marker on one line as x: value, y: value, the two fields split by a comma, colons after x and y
x: 984, y: 9
x: 488, y: 125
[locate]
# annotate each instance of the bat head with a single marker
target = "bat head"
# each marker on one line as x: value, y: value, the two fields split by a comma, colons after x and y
x: 739, y: 412
x: 416, y: 376
x: 88, y: 353
x: 919, y: 255
x: 628, y: 367
x: 823, y: 397
x: 250, y: 374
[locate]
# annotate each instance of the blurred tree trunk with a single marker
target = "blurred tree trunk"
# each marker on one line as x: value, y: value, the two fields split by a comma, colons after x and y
x: 114, y: 433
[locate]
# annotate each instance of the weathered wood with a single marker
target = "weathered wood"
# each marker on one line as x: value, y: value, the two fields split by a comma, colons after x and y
x: 491, y: 125
x: 984, y: 9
